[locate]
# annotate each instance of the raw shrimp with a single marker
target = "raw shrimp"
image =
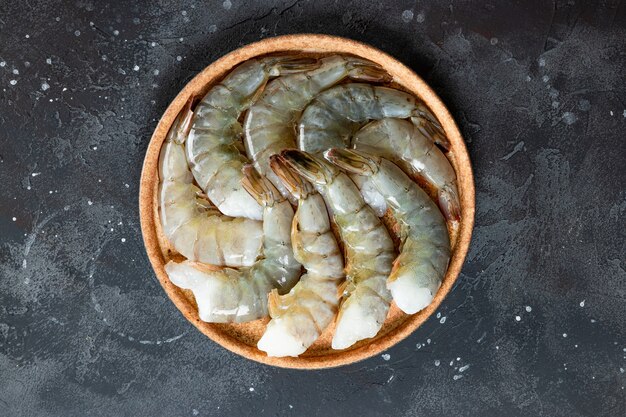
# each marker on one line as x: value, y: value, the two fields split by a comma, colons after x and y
x: 424, y: 242
x: 269, y: 124
x: 240, y: 295
x: 214, y: 144
x: 334, y: 115
x: 299, y: 317
x: 369, y: 251
x: 406, y: 145
x: 196, y: 229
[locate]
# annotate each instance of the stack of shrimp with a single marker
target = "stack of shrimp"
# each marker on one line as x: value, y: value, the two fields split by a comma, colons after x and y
x: 272, y: 187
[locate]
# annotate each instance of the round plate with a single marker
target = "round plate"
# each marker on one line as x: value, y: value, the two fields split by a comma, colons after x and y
x: 242, y: 338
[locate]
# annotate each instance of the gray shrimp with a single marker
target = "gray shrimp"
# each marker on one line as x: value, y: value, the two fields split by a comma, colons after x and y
x: 369, y: 250
x: 332, y: 118
x: 299, y: 317
x: 195, y: 228
x: 269, y: 123
x: 424, y: 241
x: 406, y: 145
x: 214, y: 147
x: 240, y: 295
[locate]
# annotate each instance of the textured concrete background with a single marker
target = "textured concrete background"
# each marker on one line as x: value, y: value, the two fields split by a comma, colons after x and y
x: 536, y: 322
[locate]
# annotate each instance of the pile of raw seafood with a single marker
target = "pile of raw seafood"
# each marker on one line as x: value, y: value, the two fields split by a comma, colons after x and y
x: 273, y: 188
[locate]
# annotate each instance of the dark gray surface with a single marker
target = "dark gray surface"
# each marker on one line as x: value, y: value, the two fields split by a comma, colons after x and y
x: 539, y: 91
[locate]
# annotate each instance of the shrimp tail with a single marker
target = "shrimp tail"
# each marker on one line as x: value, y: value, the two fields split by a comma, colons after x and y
x: 259, y: 187
x: 352, y: 161
x: 273, y: 303
x: 291, y: 64
x: 182, y: 124
x: 363, y: 70
x: 449, y: 203
x: 296, y: 185
x: 310, y: 167
x: 428, y: 125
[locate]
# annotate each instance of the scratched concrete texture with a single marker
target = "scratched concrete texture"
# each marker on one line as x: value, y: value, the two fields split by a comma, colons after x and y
x: 536, y: 322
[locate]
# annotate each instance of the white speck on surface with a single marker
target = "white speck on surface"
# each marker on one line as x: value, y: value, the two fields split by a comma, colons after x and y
x: 443, y: 320
x: 386, y: 356
x: 497, y: 347
x: 545, y: 78
x: 528, y: 78
x: 564, y: 334
x: 179, y: 58
x: 16, y: 71
x: 3, y: 63
x: 457, y: 377
x: 458, y: 359
x: 251, y: 389
x: 136, y: 68
x: 529, y: 309
x: 407, y: 15
x: 13, y: 82
x: 77, y: 32
x: 123, y: 240
x: 428, y: 341
x: 212, y: 29
x: 184, y: 12
x: 438, y: 315
x: 451, y: 362
x: 48, y: 61
x: 464, y: 368
x: 153, y: 44
x: 575, y: 346
x: 582, y: 303
x: 45, y: 86
x: 420, y: 18
x: 518, y: 318
x: 14, y: 219
x: 542, y: 62
x: 493, y: 41
x: 624, y: 114
x: 27, y: 36
x: 611, y: 112
x: 195, y: 412
x: 90, y: 202
x: 437, y: 362
x: 116, y: 32
x: 227, y: 4
x: 126, y: 185
x: 569, y: 118
x: 593, y: 320
x: 155, y: 72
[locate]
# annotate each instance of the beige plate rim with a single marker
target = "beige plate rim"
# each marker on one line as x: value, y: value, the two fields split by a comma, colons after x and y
x: 316, y: 44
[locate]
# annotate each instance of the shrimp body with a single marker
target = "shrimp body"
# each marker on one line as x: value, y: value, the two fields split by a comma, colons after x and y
x: 268, y: 125
x: 240, y: 295
x: 299, y: 317
x: 193, y: 227
x: 214, y: 144
x: 424, y: 242
x: 369, y: 250
x: 404, y: 144
x: 331, y: 119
